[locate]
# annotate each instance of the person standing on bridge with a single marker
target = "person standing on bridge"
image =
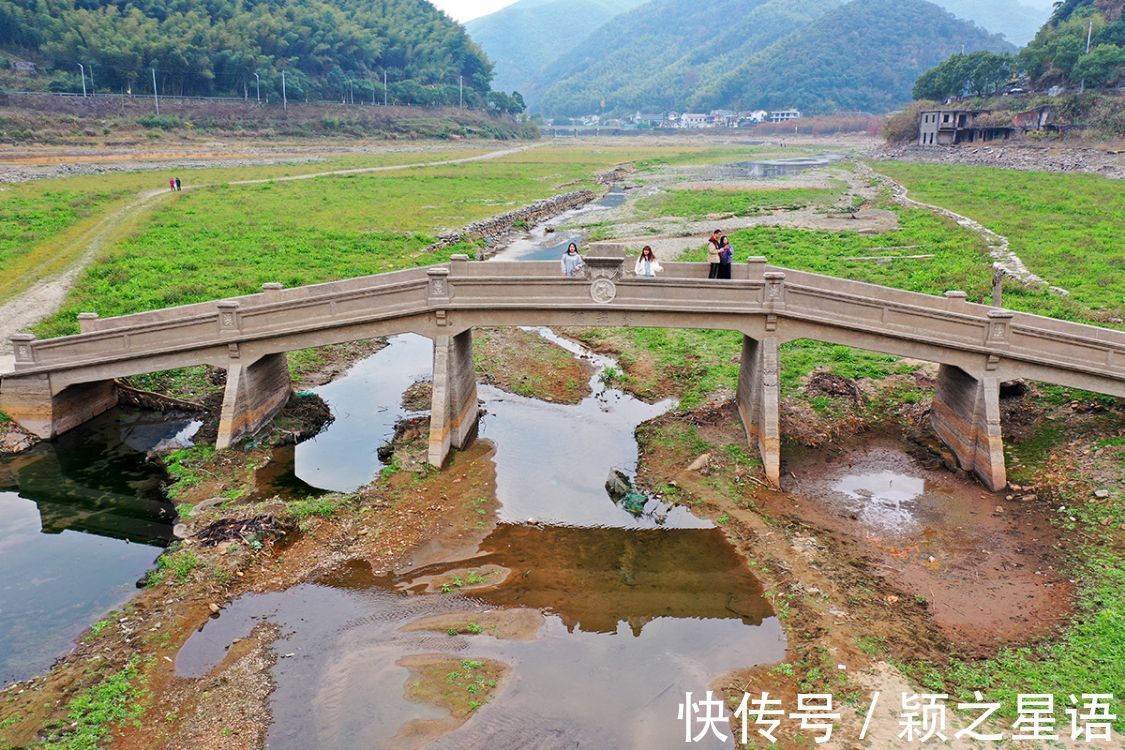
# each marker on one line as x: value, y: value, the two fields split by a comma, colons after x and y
x: 572, y: 262
x: 713, y: 254
x: 647, y: 264
x: 726, y: 257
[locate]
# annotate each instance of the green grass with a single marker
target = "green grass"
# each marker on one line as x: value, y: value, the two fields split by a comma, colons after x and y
x: 42, y: 222
x: 1065, y: 227
x: 185, y: 467
x: 321, y: 507
x: 173, y: 567
x: 699, y: 204
x: 229, y: 240
x: 4, y: 418
x: 94, y: 712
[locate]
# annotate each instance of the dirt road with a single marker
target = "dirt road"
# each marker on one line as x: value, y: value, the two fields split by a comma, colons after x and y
x: 46, y: 296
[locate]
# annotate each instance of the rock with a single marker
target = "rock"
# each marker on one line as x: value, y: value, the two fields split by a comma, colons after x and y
x: 210, y: 502
x: 1101, y: 493
x: 180, y: 531
x: 999, y: 508
x: 1031, y: 497
x: 618, y: 484
x: 213, y: 607
x: 699, y: 463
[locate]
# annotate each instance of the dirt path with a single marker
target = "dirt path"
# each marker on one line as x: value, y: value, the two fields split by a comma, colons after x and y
x: 47, y: 295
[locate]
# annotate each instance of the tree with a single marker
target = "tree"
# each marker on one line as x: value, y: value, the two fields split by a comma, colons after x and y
x: 976, y: 74
x: 1104, y: 65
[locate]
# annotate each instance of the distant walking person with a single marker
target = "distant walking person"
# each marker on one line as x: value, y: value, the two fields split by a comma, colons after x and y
x: 726, y: 257
x: 172, y: 183
x: 713, y: 254
x: 647, y: 264
x: 572, y: 262
x: 177, y: 183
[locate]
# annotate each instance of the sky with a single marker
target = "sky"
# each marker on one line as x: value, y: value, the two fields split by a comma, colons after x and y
x: 465, y: 10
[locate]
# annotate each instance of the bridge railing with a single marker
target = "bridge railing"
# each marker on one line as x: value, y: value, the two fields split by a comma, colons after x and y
x: 537, y: 286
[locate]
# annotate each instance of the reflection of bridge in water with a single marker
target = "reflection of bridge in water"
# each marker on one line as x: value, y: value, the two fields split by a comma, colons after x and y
x: 60, y: 383
x: 93, y: 481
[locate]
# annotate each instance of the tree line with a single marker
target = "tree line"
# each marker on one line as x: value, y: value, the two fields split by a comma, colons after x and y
x: 1057, y: 56
x: 327, y: 49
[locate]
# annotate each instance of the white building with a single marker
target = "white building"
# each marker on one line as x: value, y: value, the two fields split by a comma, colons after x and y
x: 695, y: 120
x: 784, y: 115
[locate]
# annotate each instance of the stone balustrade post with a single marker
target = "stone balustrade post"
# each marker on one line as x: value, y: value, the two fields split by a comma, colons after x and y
x: 85, y: 321
x: 272, y: 290
x: 229, y: 319
x: 24, y: 351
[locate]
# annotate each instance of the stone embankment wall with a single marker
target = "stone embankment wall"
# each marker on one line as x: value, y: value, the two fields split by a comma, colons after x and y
x: 495, y: 228
x: 1035, y: 157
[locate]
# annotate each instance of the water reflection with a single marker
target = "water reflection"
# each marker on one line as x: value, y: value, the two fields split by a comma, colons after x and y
x: 81, y: 518
x: 366, y: 403
x: 632, y: 620
x: 770, y: 168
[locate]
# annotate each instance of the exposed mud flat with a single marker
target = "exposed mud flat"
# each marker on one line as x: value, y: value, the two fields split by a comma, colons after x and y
x: 988, y: 567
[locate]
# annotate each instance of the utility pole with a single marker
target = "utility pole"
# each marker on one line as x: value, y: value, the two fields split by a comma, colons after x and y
x: 284, y: 98
x: 82, y: 72
x: 1089, y: 33
x: 372, y: 94
x: 461, y: 92
x: 155, y: 96
x: 384, y: 87
x: 93, y: 88
x: 258, y: 86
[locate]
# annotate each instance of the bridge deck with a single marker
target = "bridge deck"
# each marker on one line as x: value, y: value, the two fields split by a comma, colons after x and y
x: 462, y: 294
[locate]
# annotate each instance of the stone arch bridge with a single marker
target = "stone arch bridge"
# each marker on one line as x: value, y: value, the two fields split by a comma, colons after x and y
x: 60, y: 383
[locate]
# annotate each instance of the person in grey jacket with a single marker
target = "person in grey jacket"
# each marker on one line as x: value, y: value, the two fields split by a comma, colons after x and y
x: 572, y: 262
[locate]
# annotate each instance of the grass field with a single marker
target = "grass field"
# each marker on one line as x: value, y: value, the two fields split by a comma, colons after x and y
x: 700, y: 204
x: 45, y: 224
x: 1065, y: 227
x: 229, y: 239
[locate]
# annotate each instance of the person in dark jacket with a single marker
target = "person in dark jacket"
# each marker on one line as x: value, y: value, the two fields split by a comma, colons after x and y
x: 726, y: 257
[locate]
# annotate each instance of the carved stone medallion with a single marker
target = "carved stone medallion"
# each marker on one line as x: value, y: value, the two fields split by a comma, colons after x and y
x: 603, y: 291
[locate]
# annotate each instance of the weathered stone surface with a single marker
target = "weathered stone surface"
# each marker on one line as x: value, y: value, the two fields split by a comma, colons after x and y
x: 453, y: 415
x: 966, y: 416
x: 30, y: 402
x: 254, y: 393
x: 759, y: 400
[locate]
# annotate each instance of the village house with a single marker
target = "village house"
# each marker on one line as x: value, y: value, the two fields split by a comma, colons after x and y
x: 784, y: 115
x: 695, y: 120
x: 642, y: 120
x: 23, y: 66
x: 948, y: 127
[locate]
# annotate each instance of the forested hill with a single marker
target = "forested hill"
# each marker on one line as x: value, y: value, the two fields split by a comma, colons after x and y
x: 528, y: 35
x: 817, y: 55
x: 658, y: 55
x: 1017, y: 21
x: 863, y: 56
x: 329, y: 49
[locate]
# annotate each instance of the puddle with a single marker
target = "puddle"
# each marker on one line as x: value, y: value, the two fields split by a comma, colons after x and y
x: 81, y: 519
x: 366, y: 403
x: 632, y: 620
x: 769, y: 168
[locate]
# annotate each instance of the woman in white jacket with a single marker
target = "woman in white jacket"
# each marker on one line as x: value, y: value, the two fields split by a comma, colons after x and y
x: 646, y: 263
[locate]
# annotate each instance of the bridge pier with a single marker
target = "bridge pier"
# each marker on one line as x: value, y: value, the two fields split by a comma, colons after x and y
x: 254, y: 394
x: 453, y: 414
x: 759, y: 399
x: 30, y: 402
x: 966, y: 416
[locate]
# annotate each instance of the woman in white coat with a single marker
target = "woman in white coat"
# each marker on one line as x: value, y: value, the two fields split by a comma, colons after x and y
x: 647, y: 264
